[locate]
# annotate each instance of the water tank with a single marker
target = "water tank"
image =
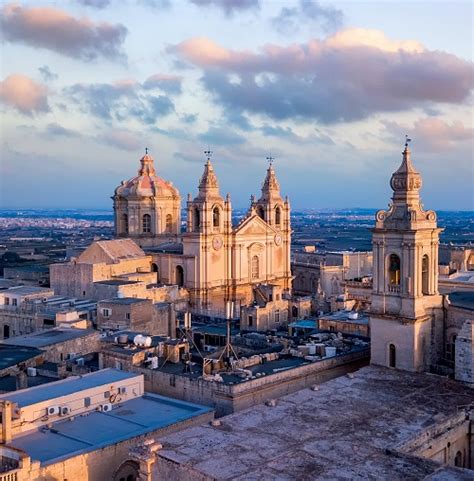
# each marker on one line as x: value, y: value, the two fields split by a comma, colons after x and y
x: 123, y: 339
x: 312, y: 349
x: 330, y: 351
x: 142, y: 341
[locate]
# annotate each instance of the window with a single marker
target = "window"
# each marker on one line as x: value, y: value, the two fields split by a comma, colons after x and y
x: 196, y: 220
x: 392, y: 356
x: 169, y: 223
x: 278, y: 216
x: 458, y: 461
x: 6, y: 331
x: 125, y: 223
x: 146, y: 226
x: 394, y: 270
x: 7, y: 301
x: 216, y: 221
x: 451, y: 349
x: 261, y: 212
x: 277, y: 316
x: 127, y: 316
x: 14, y: 302
x: 255, y: 267
x: 250, y: 321
x: 425, y: 275
x: 179, y: 276
x: 87, y: 402
x: 106, y: 312
x: 172, y: 381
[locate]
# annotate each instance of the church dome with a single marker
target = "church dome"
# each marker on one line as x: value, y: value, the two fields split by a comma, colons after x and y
x: 147, y: 183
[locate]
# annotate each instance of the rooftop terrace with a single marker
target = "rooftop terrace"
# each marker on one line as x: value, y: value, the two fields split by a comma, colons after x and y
x: 339, y: 432
x: 49, y: 337
x: 11, y: 355
x: 98, y: 429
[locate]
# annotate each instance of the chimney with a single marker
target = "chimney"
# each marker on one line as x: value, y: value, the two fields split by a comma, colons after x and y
x: 6, y: 409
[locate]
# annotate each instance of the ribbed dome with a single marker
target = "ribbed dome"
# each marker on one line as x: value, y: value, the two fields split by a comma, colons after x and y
x: 147, y: 183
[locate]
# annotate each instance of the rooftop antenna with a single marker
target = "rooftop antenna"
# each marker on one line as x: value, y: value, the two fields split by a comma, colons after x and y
x: 228, y: 349
x: 407, y: 141
x: 146, y: 150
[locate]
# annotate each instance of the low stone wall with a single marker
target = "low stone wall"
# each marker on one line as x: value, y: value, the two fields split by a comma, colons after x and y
x: 226, y: 398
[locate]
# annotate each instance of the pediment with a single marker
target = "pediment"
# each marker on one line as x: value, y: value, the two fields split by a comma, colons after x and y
x: 254, y: 225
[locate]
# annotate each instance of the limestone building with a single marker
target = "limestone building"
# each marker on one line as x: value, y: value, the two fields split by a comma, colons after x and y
x: 213, y: 260
x: 406, y: 310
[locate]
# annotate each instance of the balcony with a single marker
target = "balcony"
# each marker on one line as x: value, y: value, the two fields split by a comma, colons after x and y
x: 393, y: 288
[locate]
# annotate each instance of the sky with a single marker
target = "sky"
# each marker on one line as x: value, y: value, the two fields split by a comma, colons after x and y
x: 329, y: 89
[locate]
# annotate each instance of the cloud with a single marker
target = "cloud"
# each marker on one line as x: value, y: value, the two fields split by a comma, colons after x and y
x: 56, y: 30
x: 290, y: 19
x: 56, y: 130
x: 158, y: 4
x: 221, y: 136
x: 99, y: 4
x: 120, y: 101
x: 432, y: 134
x: 228, y: 7
x: 24, y: 94
x: 346, y: 77
x: 171, y: 84
x: 122, y: 139
x: 47, y: 74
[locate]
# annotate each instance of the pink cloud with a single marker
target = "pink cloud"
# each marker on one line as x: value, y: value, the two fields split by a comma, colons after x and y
x: 56, y: 30
x: 347, y: 76
x: 24, y: 94
x: 433, y: 134
x: 122, y: 139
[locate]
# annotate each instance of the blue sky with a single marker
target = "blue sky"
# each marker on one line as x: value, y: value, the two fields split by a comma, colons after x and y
x: 328, y: 88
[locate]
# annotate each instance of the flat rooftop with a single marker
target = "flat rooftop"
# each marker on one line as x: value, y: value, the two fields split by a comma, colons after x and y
x: 98, y: 429
x: 124, y: 300
x: 344, y: 316
x: 27, y: 290
x: 49, y: 337
x: 463, y: 299
x: 11, y: 354
x: 67, y: 386
x: 339, y: 432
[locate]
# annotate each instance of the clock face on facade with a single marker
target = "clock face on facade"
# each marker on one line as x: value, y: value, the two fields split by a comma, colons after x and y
x: 277, y: 239
x: 217, y: 243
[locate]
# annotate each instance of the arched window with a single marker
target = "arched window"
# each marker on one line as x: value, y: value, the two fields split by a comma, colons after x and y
x: 6, y: 331
x: 425, y: 287
x: 125, y: 223
x: 179, y: 276
x: 261, y: 212
x: 146, y: 226
x: 255, y: 267
x: 216, y: 217
x: 458, y: 461
x: 196, y: 220
x: 394, y: 269
x: 169, y: 223
x: 278, y: 216
x: 392, y: 356
x: 154, y: 268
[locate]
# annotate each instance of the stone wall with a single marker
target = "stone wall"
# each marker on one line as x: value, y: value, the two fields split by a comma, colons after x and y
x: 226, y: 398
x: 464, y: 361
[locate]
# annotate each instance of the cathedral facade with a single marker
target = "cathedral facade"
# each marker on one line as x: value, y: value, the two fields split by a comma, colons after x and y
x: 213, y: 259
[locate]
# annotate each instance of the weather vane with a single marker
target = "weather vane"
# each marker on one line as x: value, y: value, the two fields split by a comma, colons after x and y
x: 270, y: 159
x: 208, y: 153
x: 146, y: 150
x: 407, y: 140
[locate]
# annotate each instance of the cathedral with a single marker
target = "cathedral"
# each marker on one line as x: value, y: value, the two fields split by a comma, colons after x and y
x: 213, y: 259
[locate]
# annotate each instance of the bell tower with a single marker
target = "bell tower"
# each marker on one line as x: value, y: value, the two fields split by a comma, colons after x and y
x: 406, y: 305
x: 209, y: 227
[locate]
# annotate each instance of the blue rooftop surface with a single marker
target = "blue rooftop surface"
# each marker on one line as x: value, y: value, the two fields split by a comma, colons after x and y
x: 97, y: 429
x: 70, y: 385
x: 304, y: 323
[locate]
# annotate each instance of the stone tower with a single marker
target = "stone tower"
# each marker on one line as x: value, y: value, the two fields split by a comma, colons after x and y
x: 406, y: 306
x: 208, y: 237
x: 276, y: 212
x: 147, y: 208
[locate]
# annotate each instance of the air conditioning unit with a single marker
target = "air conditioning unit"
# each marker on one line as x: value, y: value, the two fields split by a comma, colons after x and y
x: 52, y: 410
x: 122, y: 390
x: 65, y: 410
x: 105, y: 408
x: 31, y: 371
